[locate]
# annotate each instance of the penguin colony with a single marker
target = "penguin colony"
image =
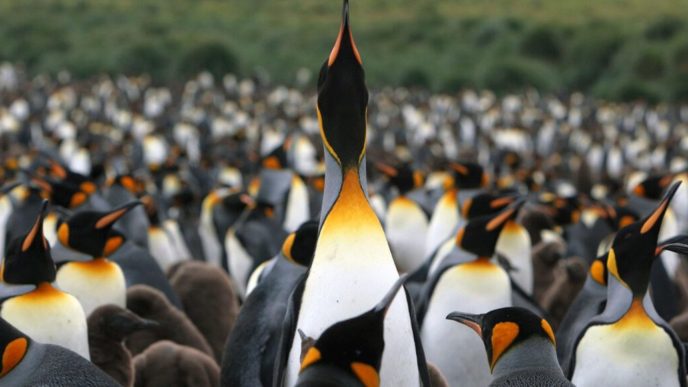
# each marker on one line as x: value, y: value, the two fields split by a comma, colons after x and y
x: 208, y: 239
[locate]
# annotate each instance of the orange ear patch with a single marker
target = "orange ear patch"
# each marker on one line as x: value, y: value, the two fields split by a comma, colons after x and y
x: 366, y: 374
x: 63, y: 234
x: 548, y: 329
x: 312, y: 356
x: 459, y: 236
x: 466, y: 207
x: 597, y: 273
x: 287, y: 245
x: 503, y: 334
x: 14, y: 352
x: 77, y: 199
x: 112, y: 245
x: 272, y: 163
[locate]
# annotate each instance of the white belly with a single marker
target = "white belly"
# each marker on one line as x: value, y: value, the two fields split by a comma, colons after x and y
x: 93, y: 283
x: 5, y: 212
x: 608, y: 356
x: 514, y: 244
x: 54, y: 318
x: 161, y: 248
x: 239, y: 262
x: 181, y: 249
x: 406, y: 227
x: 298, y: 208
x: 444, y: 220
x: 454, y: 348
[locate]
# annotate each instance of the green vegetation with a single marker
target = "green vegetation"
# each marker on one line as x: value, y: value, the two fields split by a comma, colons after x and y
x: 615, y: 49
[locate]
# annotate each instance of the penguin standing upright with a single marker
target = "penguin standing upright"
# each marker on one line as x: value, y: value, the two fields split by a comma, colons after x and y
x: 628, y: 344
x: 520, y: 347
x: 406, y: 223
x: 46, y: 314
x: 353, y: 266
x: 349, y: 352
x: 98, y: 281
x: 469, y: 281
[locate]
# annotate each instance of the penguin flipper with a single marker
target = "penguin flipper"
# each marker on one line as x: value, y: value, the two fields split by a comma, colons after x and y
x: 420, y: 353
x: 426, y: 292
x: 291, y: 318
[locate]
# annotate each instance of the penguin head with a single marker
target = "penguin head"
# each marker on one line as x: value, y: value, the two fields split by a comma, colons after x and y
x: 653, y: 186
x: 343, y: 99
x: 563, y: 210
x: 502, y: 329
x: 353, y: 346
x: 116, y: 323
x: 479, y: 236
x: 128, y: 182
x: 403, y: 177
x: 619, y: 217
x: 299, y: 246
x: 469, y: 175
x: 276, y: 159
x: 27, y: 258
x: 485, y: 204
x: 63, y: 193
x: 634, y: 248
x: 65, y: 175
x: 91, y: 232
x: 13, y: 345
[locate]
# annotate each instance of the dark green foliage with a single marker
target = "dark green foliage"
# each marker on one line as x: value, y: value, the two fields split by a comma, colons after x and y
x: 212, y: 56
x: 542, y: 43
x: 664, y: 28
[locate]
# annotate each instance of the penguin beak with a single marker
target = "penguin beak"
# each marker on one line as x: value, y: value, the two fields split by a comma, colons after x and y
x: 113, y: 216
x: 503, y: 217
x: 460, y: 168
x: 388, y: 170
x: 36, y: 231
x: 502, y: 201
x: 384, y: 304
x: 473, y: 321
x: 677, y: 244
x: 654, y: 221
x: 345, y: 41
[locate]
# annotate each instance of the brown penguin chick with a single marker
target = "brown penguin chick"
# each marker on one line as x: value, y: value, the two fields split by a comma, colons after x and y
x: 167, y: 364
x: 535, y: 220
x: 545, y: 257
x: 436, y: 377
x: 205, y: 290
x: 108, y: 326
x: 173, y: 325
x: 569, y: 278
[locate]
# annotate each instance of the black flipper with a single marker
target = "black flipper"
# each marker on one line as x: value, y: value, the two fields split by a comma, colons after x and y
x: 420, y: 353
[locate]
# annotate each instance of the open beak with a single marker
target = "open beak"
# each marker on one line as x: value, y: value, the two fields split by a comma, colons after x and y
x: 473, y: 321
x: 345, y: 41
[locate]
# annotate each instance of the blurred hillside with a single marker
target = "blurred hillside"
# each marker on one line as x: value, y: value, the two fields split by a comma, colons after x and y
x: 615, y: 49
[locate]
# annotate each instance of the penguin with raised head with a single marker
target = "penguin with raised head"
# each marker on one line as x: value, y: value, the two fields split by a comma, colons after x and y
x: 628, y: 344
x: 520, y: 347
x: 259, y: 324
x: 353, y: 265
x: 134, y: 224
x: 98, y: 281
x: 467, y: 280
x: 406, y: 223
x: 26, y: 362
x: 46, y: 314
x: 349, y: 352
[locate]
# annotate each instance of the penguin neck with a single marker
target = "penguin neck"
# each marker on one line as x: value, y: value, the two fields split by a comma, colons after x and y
x: 624, y: 307
x: 533, y: 353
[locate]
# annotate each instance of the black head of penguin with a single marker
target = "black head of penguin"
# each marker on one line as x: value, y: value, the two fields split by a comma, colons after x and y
x: 67, y: 176
x: 485, y: 204
x: 652, y: 187
x: 277, y: 158
x: 634, y: 248
x: 503, y: 328
x: 299, y: 246
x: 352, y: 346
x: 468, y: 175
x: 343, y: 99
x: 90, y: 232
x: 129, y: 183
x: 563, y: 210
x: 13, y: 346
x: 27, y: 259
x: 62, y: 193
x: 479, y: 236
x: 403, y: 177
x: 619, y: 217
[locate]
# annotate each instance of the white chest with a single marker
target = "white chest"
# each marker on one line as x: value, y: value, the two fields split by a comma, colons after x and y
x: 608, y: 356
x: 93, y: 283
x: 406, y: 227
x: 454, y: 348
x: 239, y: 262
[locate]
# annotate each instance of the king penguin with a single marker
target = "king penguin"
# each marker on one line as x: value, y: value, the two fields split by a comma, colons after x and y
x: 353, y: 266
x: 406, y: 224
x: 98, y: 281
x: 628, y: 344
x: 469, y: 281
x: 46, y: 314
x: 26, y: 362
x: 520, y: 347
x: 349, y: 352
